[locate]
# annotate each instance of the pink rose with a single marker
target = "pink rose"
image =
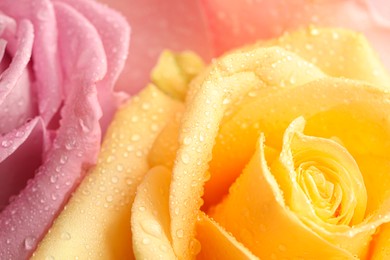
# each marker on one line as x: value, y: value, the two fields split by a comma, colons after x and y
x: 59, y: 63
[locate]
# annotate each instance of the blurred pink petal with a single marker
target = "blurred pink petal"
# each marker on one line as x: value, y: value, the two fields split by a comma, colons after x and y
x: 46, y: 67
x: 20, y: 155
x: 25, y: 220
x: 235, y: 22
x: 115, y: 35
x: 158, y: 25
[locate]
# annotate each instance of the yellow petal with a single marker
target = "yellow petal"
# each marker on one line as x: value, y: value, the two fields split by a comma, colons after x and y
x: 381, y: 244
x: 337, y: 52
x: 330, y: 160
x: 96, y: 221
x: 200, y: 124
x: 174, y: 71
x: 150, y: 217
x: 331, y: 106
x: 216, y: 243
x: 255, y: 213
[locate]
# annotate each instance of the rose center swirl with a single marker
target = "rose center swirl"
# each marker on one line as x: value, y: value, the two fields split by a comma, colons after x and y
x: 320, y: 179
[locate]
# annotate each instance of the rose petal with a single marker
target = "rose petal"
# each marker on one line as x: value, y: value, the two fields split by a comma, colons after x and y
x: 115, y: 35
x: 264, y: 223
x: 217, y: 243
x: 27, y: 218
x: 98, y: 215
x: 200, y: 123
x: 243, y: 22
x: 25, y: 144
x: 158, y: 25
x: 45, y: 54
x: 284, y: 69
x: 150, y: 231
x: 13, y: 73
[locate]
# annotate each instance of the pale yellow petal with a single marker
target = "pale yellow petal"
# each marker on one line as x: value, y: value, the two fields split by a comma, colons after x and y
x: 174, y: 71
x: 337, y: 52
x: 200, y: 124
x: 216, y: 243
x: 150, y: 217
x: 255, y: 213
x: 96, y: 220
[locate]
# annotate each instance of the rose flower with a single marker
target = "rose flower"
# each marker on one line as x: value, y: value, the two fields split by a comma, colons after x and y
x: 59, y: 63
x: 275, y: 150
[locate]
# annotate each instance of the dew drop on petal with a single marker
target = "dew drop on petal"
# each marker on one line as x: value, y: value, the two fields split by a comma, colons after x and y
x: 66, y: 236
x: 29, y: 243
x: 180, y: 233
x: 185, y: 158
x: 109, y: 198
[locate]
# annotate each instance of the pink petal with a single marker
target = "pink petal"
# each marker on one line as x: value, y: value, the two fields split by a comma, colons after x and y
x: 114, y: 32
x: 30, y: 214
x: 158, y: 25
x: 20, y: 155
x: 45, y: 54
x: 19, y: 105
x: 11, y: 75
x: 237, y: 22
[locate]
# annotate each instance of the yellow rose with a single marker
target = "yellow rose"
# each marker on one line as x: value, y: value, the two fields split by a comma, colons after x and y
x: 286, y: 142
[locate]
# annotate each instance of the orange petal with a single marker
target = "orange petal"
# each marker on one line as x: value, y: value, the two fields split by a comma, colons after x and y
x: 330, y: 106
x: 216, y: 243
x: 255, y: 213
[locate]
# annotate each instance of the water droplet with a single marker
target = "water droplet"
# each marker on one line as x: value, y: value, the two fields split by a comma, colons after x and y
x: 154, y: 127
x: 152, y: 228
x: 6, y: 143
x: 109, y: 198
x: 129, y: 181
x: 185, y: 158
x: 180, y: 233
x: 142, y: 209
x: 29, y: 243
x: 146, y: 241
x: 314, y: 31
x: 119, y: 167
x: 134, y: 119
x: 83, y: 126
x: 145, y: 106
x: 19, y: 133
x: 63, y: 159
x: 195, y: 246
x: 114, y: 179
x: 53, y: 178
x: 65, y: 236
x: 71, y: 144
x: 135, y: 138
x: 110, y: 159
x: 187, y: 140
